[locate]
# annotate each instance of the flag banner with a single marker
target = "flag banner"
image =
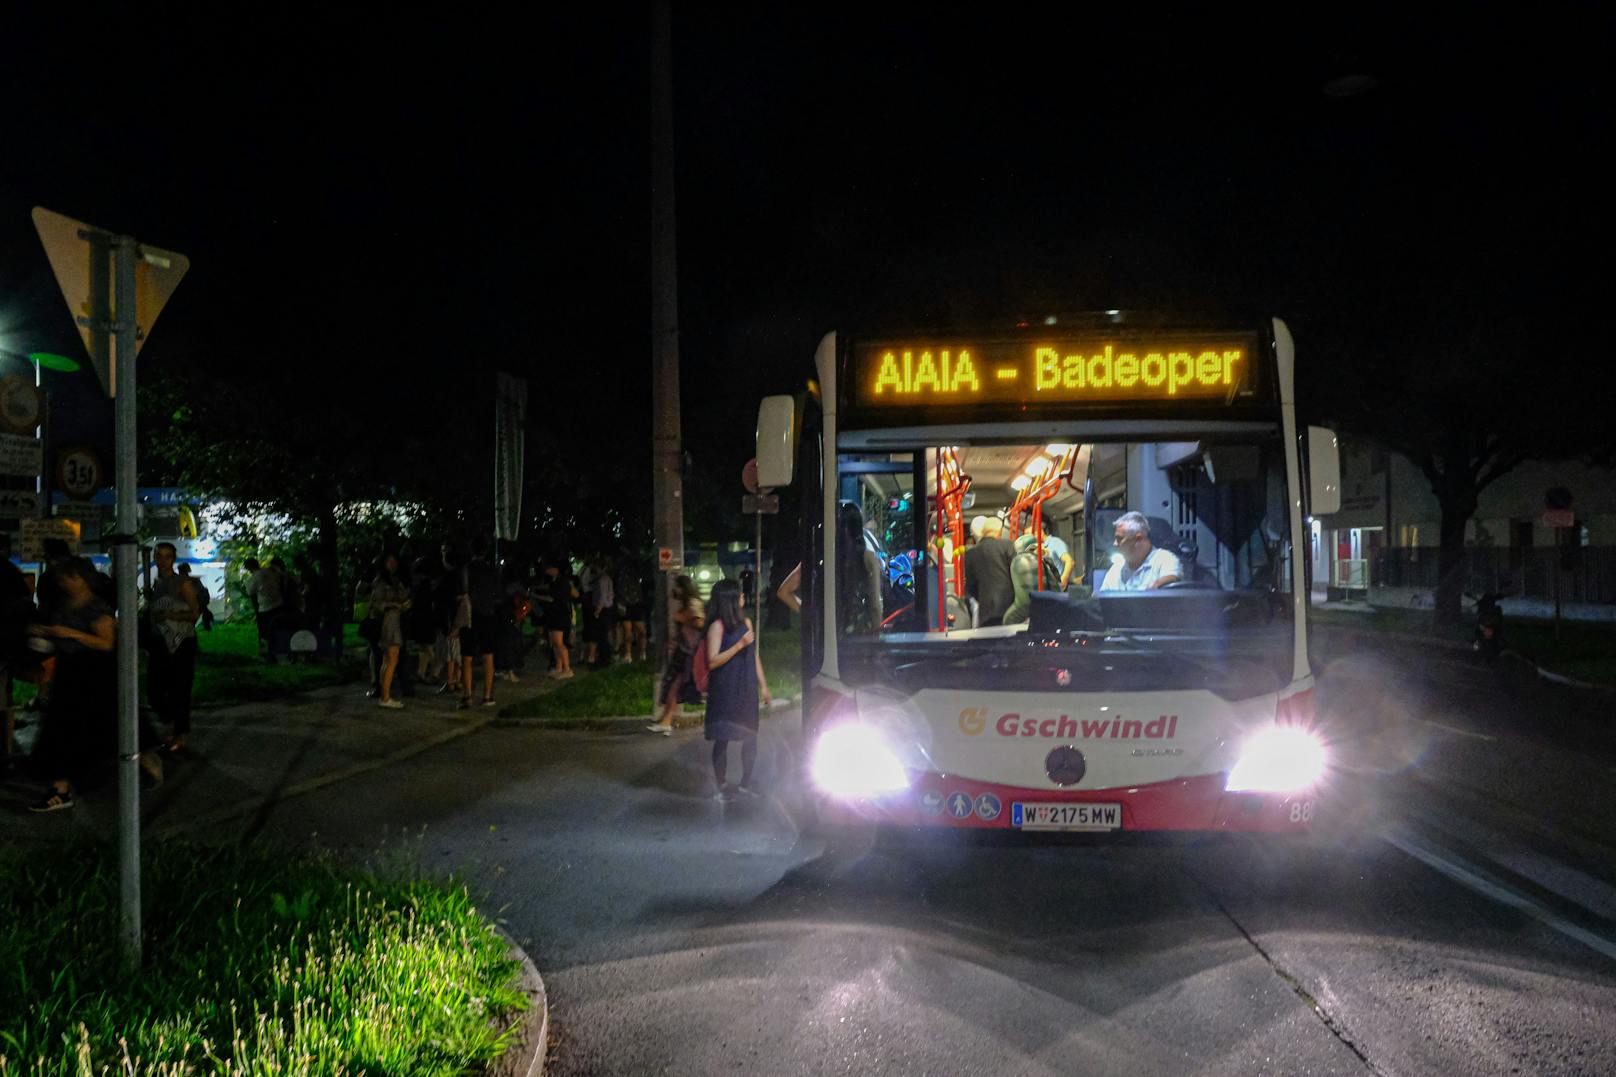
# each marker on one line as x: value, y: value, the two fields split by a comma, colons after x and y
x: 510, y: 421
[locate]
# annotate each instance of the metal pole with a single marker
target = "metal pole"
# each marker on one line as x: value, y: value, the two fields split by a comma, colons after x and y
x: 124, y: 552
x: 44, y: 486
x: 666, y: 449
x: 1554, y: 565
x: 757, y: 576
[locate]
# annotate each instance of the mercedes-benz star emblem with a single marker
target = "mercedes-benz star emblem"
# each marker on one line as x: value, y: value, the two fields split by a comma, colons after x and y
x: 1065, y: 765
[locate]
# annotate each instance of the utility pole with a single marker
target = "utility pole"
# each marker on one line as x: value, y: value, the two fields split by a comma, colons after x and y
x: 666, y: 450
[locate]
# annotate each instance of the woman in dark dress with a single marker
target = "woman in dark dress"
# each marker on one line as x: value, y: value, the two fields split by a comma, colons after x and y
x: 734, y: 680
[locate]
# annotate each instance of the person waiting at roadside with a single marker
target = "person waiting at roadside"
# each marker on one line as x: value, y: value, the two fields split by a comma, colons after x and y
x: 266, y: 587
x: 633, y: 591
x: 678, y: 684
x: 171, y: 659
x: 488, y: 611
x: 555, y: 596
x: 1144, y: 566
x: 734, y: 682
x: 78, y: 739
x: 422, y: 621
x: 389, y: 598
x: 987, y: 572
x: 204, y: 600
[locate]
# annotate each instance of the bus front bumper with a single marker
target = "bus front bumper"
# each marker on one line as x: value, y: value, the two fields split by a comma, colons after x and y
x: 1184, y: 804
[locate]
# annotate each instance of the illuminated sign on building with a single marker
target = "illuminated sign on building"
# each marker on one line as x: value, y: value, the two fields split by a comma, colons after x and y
x: 1054, y: 370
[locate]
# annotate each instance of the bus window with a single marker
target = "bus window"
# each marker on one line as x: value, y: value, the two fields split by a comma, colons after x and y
x: 875, y: 537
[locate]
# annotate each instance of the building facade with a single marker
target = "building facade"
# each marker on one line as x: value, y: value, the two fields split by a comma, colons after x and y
x: 1382, y: 545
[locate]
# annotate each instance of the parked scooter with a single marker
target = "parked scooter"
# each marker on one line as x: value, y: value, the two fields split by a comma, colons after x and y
x: 1489, y: 637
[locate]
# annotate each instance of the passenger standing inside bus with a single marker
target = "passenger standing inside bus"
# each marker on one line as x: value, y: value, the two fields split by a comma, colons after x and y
x: 1144, y: 566
x: 734, y: 682
x: 987, y: 573
x: 858, y: 575
x: 171, y: 661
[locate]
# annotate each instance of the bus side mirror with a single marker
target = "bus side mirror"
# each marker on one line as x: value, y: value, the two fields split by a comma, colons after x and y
x: 1323, y: 472
x: 776, y: 441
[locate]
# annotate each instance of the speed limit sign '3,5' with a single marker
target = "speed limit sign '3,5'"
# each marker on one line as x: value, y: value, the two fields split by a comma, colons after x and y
x: 78, y: 472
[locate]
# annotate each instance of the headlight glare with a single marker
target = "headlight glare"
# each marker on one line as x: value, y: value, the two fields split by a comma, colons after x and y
x: 1284, y: 759
x: 853, y: 760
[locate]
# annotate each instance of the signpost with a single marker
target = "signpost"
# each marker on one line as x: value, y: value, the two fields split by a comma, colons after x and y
x: 1559, y: 512
x: 34, y: 533
x: 21, y: 455
x: 115, y: 288
x: 760, y: 501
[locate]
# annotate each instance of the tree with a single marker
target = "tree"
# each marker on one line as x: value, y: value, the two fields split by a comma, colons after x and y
x: 1466, y: 392
x: 266, y: 443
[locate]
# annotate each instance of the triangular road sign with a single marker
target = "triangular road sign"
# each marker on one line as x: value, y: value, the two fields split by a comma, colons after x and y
x: 82, y: 257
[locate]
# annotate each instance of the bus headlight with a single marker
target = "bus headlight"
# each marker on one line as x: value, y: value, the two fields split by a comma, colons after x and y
x: 1283, y: 759
x: 853, y: 760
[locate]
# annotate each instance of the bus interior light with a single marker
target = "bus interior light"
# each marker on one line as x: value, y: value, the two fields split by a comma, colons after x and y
x: 1282, y: 759
x: 853, y: 760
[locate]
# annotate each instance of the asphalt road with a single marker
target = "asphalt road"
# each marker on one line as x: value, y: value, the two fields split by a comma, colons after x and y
x: 1453, y: 913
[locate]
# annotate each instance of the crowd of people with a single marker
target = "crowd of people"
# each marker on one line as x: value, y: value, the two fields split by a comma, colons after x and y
x: 451, y: 621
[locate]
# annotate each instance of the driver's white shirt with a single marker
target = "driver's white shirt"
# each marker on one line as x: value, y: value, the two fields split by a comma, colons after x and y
x: 1158, y: 564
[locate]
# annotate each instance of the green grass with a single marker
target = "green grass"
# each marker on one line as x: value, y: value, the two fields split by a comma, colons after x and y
x: 257, y: 962
x: 627, y: 689
x: 228, y: 669
x: 1583, y: 651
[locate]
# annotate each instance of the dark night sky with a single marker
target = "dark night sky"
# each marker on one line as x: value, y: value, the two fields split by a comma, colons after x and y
x: 420, y: 199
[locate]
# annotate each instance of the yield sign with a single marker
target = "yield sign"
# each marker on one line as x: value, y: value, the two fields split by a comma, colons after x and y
x: 82, y: 257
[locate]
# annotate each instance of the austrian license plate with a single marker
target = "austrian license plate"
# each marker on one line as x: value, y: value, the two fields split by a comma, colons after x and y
x: 1066, y: 816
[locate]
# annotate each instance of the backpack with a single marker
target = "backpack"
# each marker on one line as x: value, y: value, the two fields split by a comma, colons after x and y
x: 699, y: 672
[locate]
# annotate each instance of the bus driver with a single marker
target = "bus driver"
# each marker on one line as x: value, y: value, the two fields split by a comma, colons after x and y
x: 1143, y: 567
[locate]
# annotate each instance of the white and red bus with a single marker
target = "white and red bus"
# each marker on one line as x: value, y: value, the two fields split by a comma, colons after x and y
x: 1105, y: 704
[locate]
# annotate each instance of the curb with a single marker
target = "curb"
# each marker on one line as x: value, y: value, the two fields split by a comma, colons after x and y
x: 526, y: 1055
x: 1569, y: 682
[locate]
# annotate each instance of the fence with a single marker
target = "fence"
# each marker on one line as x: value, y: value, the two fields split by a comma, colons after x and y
x: 1510, y: 571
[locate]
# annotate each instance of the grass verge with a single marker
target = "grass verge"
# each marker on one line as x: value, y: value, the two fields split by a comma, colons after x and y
x: 626, y: 689
x: 1584, y: 652
x: 228, y: 669
x: 257, y: 962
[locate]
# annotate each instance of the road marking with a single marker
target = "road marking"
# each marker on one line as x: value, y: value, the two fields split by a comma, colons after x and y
x: 1455, y: 730
x: 1464, y: 875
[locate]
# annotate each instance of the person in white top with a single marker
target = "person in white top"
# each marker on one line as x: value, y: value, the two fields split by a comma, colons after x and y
x: 1143, y: 567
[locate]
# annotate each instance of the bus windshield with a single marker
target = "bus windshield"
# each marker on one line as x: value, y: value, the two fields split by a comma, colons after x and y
x: 1163, y: 544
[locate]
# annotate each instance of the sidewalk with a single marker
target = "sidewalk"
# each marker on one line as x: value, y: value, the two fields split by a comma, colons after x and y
x: 245, y: 757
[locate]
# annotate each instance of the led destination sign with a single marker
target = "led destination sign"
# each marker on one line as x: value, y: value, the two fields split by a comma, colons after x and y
x: 1054, y: 370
